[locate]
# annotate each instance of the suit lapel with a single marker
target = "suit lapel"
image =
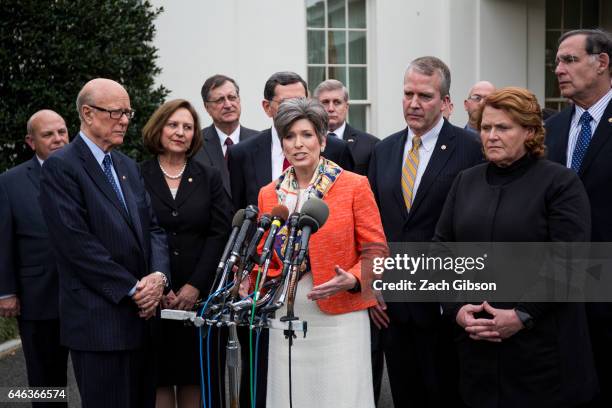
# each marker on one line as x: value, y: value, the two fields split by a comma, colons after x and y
x: 262, y: 158
x: 350, y: 137
x: 34, y: 172
x: 212, y: 147
x: 192, y: 177
x: 93, y: 169
x: 437, y: 161
x: 397, y: 159
x: 602, y: 135
x: 157, y: 183
x: 128, y: 195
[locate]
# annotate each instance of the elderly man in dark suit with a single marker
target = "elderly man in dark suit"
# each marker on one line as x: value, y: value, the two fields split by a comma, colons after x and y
x: 334, y: 96
x: 411, y: 172
x: 111, y: 255
x: 259, y: 160
x: 580, y: 137
x: 28, y: 275
x: 221, y: 96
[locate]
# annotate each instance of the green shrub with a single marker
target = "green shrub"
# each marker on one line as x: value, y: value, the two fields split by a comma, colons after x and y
x: 50, y: 48
x: 8, y: 329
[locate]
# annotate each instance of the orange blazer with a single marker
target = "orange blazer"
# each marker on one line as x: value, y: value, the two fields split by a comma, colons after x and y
x: 350, y: 238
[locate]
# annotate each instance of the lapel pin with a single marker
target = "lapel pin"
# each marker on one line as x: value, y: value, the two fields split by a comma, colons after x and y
x: 609, y: 120
x: 123, y: 177
x: 190, y: 179
x: 443, y: 147
x: 350, y: 140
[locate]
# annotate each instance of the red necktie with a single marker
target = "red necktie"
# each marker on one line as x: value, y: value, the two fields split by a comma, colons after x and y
x: 228, y: 143
x: 286, y: 164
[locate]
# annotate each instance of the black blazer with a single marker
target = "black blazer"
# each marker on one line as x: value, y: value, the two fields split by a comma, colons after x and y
x: 27, y: 267
x: 361, y: 145
x: 550, y: 365
x: 211, y: 153
x: 454, y: 151
x: 101, y: 249
x: 250, y: 165
x: 596, y: 170
x: 197, y: 222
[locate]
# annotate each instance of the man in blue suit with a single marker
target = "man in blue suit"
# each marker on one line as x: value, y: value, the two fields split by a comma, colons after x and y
x: 28, y: 276
x: 411, y: 172
x: 580, y: 137
x: 111, y: 255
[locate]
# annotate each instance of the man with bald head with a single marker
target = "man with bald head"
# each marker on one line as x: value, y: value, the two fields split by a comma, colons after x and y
x: 474, y: 102
x: 111, y: 255
x: 28, y: 276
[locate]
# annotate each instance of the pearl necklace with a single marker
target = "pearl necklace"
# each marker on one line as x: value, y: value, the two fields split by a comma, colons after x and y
x: 178, y: 176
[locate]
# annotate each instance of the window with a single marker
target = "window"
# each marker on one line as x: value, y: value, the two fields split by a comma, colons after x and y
x: 337, y: 49
x: 563, y: 16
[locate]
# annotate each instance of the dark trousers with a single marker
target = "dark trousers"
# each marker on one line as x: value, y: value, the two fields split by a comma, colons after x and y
x: 46, y: 359
x: 378, y: 360
x: 262, y: 367
x: 600, y: 330
x: 118, y: 379
x: 422, y: 366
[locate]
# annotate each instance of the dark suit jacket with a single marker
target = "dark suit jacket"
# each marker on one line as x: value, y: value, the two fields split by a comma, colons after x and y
x: 211, y: 153
x: 197, y: 222
x: 596, y: 169
x: 250, y: 165
x: 550, y: 365
x: 101, y: 249
x: 361, y: 145
x: 27, y: 268
x: 460, y: 152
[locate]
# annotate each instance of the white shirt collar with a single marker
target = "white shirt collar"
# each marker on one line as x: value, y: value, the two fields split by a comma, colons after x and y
x: 235, y: 136
x: 340, y: 131
x: 40, y: 161
x: 429, y: 139
x: 95, y: 149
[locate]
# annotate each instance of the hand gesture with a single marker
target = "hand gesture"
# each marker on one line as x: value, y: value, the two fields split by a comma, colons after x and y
x: 341, y: 282
x: 378, y: 313
x: 148, y: 294
x: 185, y: 298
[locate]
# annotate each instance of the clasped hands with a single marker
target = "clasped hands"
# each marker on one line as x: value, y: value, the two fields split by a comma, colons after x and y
x: 148, y: 294
x: 503, y: 323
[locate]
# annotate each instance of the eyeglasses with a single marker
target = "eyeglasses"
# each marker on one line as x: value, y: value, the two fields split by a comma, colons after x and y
x: 230, y: 99
x: 116, y: 113
x: 476, y: 98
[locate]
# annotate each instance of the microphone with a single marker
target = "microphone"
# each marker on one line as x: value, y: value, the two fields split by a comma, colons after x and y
x: 236, y: 222
x: 250, y: 214
x: 249, y: 258
x: 314, y: 215
x: 280, y: 213
x: 293, y: 228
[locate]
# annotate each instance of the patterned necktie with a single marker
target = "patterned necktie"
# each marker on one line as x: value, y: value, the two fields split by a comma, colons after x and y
x: 109, y: 176
x: 582, y: 144
x: 332, y: 134
x: 409, y: 171
x: 228, y: 142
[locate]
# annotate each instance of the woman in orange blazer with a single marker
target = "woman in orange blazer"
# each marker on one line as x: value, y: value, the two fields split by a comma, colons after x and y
x: 331, y: 367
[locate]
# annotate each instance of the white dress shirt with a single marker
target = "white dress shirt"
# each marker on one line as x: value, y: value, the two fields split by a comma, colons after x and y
x: 277, y: 155
x: 235, y: 137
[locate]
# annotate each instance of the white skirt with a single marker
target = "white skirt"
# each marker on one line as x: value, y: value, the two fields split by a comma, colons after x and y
x: 331, y: 367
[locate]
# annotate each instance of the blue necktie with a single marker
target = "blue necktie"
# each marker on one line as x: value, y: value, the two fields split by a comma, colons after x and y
x: 106, y: 163
x: 582, y: 144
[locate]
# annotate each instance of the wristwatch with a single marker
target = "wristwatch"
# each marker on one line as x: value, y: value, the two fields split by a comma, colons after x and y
x: 525, y: 318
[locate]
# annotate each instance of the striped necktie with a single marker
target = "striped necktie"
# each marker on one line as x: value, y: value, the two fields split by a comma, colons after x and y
x: 582, y: 144
x: 107, y: 163
x: 409, y: 171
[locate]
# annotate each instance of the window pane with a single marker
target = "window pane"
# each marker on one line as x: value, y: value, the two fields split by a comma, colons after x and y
x: 552, y: 37
x: 357, y: 47
x: 590, y: 13
x: 315, y: 13
x: 335, y: 14
x: 337, y: 47
x: 553, y: 14
x: 552, y: 85
x: 316, y: 75
x: 358, y: 83
x: 357, y: 13
x: 338, y: 73
x: 316, y: 47
x: 357, y: 117
x: 571, y: 14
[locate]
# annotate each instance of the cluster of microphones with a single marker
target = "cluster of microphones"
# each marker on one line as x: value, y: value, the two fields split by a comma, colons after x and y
x: 240, y: 258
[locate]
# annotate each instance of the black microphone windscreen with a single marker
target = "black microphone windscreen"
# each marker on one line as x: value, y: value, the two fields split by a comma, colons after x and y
x: 280, y: 211
x: 251, y: 212
x: 238, y: 218
x: 308, y: 221
x: 317, y: 209
x: 264, y: 221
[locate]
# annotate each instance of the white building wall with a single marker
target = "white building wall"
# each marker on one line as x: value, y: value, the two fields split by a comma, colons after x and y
x: 498, y: 40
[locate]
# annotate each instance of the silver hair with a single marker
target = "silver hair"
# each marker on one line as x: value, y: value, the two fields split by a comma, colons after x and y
x: 295, y: 109
x: 431, y: 65
x: 331, y: 85
x: 85, y: 97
